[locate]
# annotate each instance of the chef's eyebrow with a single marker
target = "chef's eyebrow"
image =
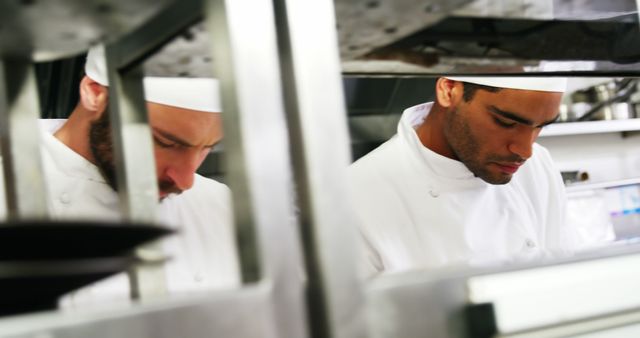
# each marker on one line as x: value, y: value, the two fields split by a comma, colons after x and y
x: 520, y: 119
x: 177, y: 139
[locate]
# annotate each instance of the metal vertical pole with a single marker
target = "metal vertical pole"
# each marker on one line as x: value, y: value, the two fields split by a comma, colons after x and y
x: 135, y: 169
x: 321, y: 151
x: 244, y: 48
x: 20, y: 140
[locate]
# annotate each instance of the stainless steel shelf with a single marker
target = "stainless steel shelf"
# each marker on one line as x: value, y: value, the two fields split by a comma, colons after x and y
x: 576, y: 187
x: 221, y: 314
x: 550, y: 298
x: 590, y: 127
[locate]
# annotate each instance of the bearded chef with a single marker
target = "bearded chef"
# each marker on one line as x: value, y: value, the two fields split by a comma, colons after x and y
x: 463, y: 181
x: 184, y: 116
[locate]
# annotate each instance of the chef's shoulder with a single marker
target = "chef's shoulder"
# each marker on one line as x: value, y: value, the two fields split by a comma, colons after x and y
x: 541, y: 162
x: 378, y: 177
x: 376, y: 165
x: 538, y: 169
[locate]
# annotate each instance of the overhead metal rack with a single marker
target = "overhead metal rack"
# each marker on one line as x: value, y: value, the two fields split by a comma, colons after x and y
x: 492, y: 37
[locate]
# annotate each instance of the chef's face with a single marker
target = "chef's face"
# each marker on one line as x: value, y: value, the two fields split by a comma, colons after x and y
x: 182, y: 139
x: 493, y: 132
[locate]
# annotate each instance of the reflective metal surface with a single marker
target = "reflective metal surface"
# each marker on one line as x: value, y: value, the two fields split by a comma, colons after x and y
x: 503, y: 37
x: 26, y: 194
x: 135, y: 169
x: 157, y: 32
x: 417, y: 304
x: 382, y: 37
x: 315, y: 106
x: 256, y: 153
x: 469, y: 65
x: 52, y: 29
x: 464, y: 302
x: 365, y: 25
x: 498, y: 45
x: 241, y: 313
x: 592, y: 9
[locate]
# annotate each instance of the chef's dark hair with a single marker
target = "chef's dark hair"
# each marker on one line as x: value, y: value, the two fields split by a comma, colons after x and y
x: 470, y: 89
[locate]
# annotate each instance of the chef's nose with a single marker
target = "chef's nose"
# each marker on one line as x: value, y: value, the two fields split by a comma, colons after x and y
x: 183, y: 170
x: 522, y: 144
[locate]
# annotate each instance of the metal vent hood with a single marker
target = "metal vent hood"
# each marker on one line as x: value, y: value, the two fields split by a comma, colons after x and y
x: 406, y: 37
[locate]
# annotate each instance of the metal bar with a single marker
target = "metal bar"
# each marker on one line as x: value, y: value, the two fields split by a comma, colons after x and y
x: 486, y: 66
x: 137, y: 186
x: 132, y: 142
x: 417, y: 304
x: 135, y: 169
x: 20, y: 140
x: 315, y: 107
x: 231, y: 89
x: 256, y: 150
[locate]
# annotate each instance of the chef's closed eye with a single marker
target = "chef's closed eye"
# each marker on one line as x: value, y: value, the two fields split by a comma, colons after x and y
x: 163, y: 142
x: 503, y: 122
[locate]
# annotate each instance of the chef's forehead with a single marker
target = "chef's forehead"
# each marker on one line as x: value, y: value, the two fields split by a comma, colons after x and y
x: 202, y: 94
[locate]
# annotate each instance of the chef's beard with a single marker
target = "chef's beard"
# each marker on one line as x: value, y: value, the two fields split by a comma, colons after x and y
x: 101, y: 145
x: 102, y: 149
x: 467, y: 149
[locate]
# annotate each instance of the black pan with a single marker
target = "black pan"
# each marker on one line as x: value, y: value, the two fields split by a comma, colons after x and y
x: 49, y: 240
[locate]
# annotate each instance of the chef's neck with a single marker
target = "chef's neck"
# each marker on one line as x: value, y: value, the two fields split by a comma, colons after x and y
x: 74, y: 133
x: 431, y: 132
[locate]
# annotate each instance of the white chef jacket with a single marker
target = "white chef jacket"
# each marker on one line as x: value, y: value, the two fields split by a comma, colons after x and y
x: 418, y: 209
x: 203, y: 251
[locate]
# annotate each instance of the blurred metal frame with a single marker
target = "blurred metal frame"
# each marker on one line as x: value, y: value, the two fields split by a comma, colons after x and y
x: 256, y: 153
x: 239, y: 313
x: 315, y: 105
x: 25, y: 193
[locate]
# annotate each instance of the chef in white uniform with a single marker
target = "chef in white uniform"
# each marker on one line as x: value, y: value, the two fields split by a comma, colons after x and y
x: 185, y: 118
x: 463, y: 183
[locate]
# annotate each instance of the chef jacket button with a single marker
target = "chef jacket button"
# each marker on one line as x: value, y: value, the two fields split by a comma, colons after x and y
x: 434, y: 193
x: 65, y: 198
x: 198, y: 277
x: 530, y: 243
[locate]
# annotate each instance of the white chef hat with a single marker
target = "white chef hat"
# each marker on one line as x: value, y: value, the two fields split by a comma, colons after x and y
x: 201, y: 94
x: 545, y: 84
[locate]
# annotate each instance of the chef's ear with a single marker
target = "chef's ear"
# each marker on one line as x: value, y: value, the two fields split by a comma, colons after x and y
x: 448, y: 92
x: 93, y: 96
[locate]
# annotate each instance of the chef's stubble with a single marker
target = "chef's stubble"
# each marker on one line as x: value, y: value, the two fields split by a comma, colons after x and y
x: 102, y: 148
x: 467, y: 148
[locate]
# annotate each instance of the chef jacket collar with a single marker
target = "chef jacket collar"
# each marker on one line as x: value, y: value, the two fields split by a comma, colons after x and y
x: 67, y: 160
x: 441, y: 166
